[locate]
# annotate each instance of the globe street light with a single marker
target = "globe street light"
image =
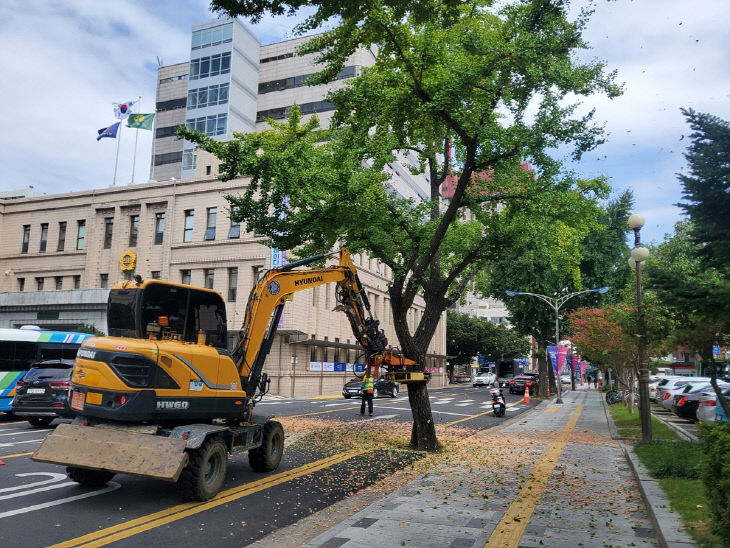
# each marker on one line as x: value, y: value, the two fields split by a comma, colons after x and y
x: 639, y: 254
x: 557, y: 303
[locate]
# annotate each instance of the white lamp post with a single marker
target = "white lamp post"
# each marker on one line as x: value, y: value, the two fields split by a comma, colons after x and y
x: 557, y: 303
x: 639, y: 254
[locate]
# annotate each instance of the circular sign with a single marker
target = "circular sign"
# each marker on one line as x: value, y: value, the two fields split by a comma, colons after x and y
x: 274, y: 288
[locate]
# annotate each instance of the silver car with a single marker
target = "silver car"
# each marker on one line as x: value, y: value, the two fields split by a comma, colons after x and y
x: 670, y: 383
x: 708, y: 403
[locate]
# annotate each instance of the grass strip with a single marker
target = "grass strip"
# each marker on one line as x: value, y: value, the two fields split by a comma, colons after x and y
x: 624, y: 422
x: 687, y: 497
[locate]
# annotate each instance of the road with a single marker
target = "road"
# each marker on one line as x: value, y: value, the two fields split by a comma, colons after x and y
x: 39, y: 506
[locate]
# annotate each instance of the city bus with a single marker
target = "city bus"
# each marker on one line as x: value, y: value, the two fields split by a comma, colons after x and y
x: 21, y: 348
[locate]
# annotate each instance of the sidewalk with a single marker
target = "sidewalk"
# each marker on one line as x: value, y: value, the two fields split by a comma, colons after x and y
x: 551, y: 477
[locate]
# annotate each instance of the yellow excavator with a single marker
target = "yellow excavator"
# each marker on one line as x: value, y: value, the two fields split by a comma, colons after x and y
x: 162, y: 397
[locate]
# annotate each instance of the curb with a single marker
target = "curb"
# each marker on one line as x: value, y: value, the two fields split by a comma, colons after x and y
x: 668, y: 525
x: 678, y: 429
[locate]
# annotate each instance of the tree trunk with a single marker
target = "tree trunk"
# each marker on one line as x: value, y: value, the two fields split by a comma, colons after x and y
x: 423, y: 432
x: 542, y: 367
x: 551, y: 376
x: 630, y: 401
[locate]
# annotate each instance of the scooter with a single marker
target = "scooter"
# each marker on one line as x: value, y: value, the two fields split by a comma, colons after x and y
x: 498, y: 405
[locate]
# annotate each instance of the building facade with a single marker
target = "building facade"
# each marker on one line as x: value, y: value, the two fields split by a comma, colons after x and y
x: 61, y: 253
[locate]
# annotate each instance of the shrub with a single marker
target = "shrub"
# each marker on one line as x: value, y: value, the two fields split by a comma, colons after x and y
x: 715, y: 471
x: 675, y: 459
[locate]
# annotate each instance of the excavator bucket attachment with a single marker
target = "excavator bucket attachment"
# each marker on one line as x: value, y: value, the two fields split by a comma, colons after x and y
x: 114, y: 450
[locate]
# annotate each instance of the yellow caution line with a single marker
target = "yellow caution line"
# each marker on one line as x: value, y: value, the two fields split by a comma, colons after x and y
x: 150, y: 521
x: 551, y: 409
x: 314, y: 413
x: 510, y: 529
x: 15, y: 455
x: 468, y: 418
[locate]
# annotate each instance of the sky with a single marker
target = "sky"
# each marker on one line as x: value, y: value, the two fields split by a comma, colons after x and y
x: 66, y: 62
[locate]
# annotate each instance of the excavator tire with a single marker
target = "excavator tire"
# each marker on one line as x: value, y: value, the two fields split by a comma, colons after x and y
x: 267, y: 457
x: 89, y: 478
x: 205, y: 472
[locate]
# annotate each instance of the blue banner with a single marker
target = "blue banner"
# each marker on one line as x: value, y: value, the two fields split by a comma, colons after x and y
x: 359, y: 367
x: 552, y: 351
x: 339, y: 367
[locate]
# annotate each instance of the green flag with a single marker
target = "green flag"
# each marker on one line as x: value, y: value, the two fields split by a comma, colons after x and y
x: 140, y: 121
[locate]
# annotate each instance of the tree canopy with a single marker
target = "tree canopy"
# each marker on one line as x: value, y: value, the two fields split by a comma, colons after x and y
x: 467, y: 336
x: 497, y: 83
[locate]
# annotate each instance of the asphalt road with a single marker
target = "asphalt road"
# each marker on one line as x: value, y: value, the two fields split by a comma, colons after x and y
x: 39, y: 506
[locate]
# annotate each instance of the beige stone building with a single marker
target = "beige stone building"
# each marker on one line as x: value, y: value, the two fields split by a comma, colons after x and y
x: 60, y: 253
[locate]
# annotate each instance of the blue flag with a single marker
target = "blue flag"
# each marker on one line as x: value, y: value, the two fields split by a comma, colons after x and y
x: 110, y: 131
x: 552, y: 352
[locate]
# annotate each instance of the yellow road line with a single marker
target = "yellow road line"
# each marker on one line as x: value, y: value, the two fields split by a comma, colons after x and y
x: 551, y: 409
x: 468, y: 418
x: 151, y: 521
x: 314, y: 413
x: 509, y: 530
x: 327, y: 397
x: 15, y: 455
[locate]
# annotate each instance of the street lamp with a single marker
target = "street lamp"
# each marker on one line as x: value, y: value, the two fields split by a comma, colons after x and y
x: 639, y: 254
x: 557, y: 303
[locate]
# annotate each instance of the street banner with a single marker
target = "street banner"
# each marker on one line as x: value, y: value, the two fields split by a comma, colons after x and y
x: 573, y: 365
x: 552, y: 352
x: 583, y: 368
x: 562, y: 354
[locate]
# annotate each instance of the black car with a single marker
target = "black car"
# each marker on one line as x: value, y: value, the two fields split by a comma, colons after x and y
x: 518, y: 383
x: 381, y: 387
x: 41, y: 395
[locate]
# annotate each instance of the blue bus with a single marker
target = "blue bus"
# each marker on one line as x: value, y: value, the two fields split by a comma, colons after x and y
x: 21, y: 348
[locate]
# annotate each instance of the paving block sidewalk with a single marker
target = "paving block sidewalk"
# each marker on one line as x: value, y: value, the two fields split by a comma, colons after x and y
x: 550, y: 477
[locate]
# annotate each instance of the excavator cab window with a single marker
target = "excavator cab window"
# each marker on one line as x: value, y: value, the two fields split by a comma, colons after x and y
x: 120, y: 315
x: 170, y: 301
x: 207, y: 313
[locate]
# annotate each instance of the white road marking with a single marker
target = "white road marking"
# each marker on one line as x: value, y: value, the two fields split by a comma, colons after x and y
x: 10, y: 444
x: 112, y: 486
x: 432, y: 411
x: 33, y: 431
x: 54, y: 477
x: 381, y: 417
x: 464, y: 404
x: 441, y: 402
x: 37, y: 490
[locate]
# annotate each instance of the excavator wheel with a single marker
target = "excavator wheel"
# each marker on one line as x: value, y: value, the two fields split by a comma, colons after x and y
x: 267, y: 457
x: 205, y: 472
x: 89, y: 478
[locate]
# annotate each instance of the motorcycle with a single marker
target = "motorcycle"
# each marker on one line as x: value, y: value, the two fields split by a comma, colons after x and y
x: 498, y: 405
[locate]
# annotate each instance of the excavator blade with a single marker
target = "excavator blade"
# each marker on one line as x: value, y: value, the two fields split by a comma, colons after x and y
x: 114, y: 450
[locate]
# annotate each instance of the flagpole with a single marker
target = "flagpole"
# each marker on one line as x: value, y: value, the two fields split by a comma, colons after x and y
x: 116, y: 162
x: 136, y: 136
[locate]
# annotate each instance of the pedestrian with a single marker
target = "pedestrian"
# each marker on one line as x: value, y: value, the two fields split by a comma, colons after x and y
x: 595, y: 381
x: 588, y: 378
x: 367, y: 394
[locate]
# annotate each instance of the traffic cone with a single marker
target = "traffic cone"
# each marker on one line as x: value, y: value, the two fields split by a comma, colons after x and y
x: 2, y: 463
x: 526, y: 399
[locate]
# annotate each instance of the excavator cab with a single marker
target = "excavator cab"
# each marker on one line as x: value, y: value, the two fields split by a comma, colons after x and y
x: 166, y: 311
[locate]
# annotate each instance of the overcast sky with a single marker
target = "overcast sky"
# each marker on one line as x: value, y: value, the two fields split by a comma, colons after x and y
x: 65, y: 62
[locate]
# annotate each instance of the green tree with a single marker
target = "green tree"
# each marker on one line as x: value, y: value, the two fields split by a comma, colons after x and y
x: 706, y: 188
x: 539, y: 265
x: 697, y: 295
x: 467, y: 336
x: 494, y: 82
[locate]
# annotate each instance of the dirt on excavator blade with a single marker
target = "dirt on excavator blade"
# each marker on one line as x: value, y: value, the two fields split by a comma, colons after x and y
x: 114, y: 450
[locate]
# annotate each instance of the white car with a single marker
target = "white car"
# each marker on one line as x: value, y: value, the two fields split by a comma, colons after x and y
x: 708, y: 405
x: 484, y: 379
x: 565, y: 378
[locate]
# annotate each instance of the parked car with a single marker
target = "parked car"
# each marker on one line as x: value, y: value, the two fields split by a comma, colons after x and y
x: 462, y: 377
x: 381, y: 387
x: 687, y: 402
x: 41, y: 395
x: 708, y: 405
x: 671, y: 383
x: 504, y: 380
x: 518, y: 383
x: 652, y: 388
x: 565, y: 378
x: 484, y: 379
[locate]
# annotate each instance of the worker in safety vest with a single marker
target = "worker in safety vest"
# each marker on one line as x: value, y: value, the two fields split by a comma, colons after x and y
x: 367, y: 394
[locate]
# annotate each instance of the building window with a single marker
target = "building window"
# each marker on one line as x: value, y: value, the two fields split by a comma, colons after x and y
x: 208, y: 275
x: 103, y: 280
x: 44, y: 237
x: 210, y: 66
x: 21, y: 284
x: 159, y: 227
x: 77, y: 281
x: 61, y: 236
x: 26, y: 238
x: 133, y: 230
x: 208, y: 96
x: 155, y: 274
x: 210, y: 223
x: 313, y: 352
x: 235, y: 230
x: 168, y: 158
x: 188, y: 227
x: 232, y: 283
x: 337, y: 351
x: 210, y: 125
x: 189, y: 159
x: 185, y: 277
x: 108, y: 230
x: 212, y: 37
x: 59, y: 283
x: 39, y: 284
x: 258, y: 270
x: 80, y: 234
